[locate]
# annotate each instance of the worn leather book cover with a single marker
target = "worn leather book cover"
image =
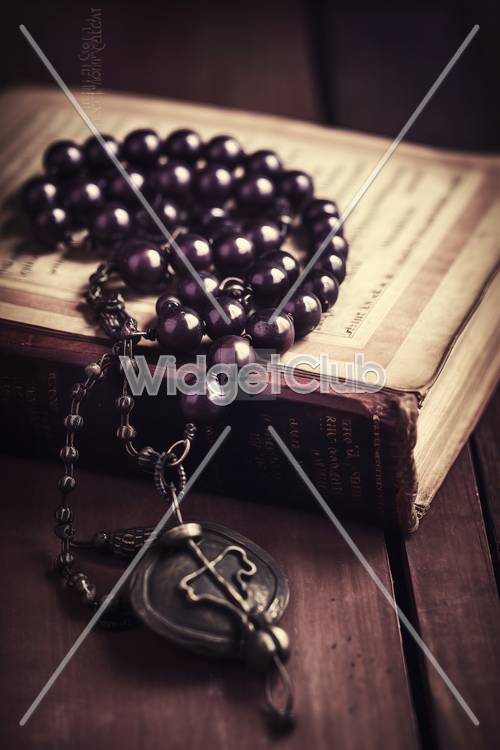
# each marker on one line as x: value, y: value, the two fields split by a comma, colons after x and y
x: 420, y: 301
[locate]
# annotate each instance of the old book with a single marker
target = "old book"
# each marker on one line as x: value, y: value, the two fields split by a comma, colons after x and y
x: 420, y: 301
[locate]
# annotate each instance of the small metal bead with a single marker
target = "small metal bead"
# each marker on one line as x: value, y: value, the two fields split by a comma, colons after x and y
x: 88, y: 595
x: 64, y: 531
x: 73, y: 422
x: 147, y: 457
x: 78, y: 392
x: 126, y: 432
x: 189, y: 431
x: 93, y: 370
x: 63, y: 514
x: 64, y: 560
x: 67, y: 483
x: 78, y: 581
x: 124, y: 404
x: 68, y: 454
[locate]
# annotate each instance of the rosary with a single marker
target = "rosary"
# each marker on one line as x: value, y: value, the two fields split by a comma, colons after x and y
x: 202, y: 586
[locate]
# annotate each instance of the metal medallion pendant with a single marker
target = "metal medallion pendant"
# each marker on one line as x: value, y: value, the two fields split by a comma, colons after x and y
x: 207, y: 588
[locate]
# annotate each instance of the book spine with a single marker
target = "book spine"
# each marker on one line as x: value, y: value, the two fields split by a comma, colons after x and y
x: 356, y: 449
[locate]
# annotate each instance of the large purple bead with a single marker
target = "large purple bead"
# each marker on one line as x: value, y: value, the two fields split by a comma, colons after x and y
x: 39, y: 193
x: 269, y: 282
x: 255, y: 191
x: 317, y: 209
x: 337, y: 245
x: 233, y: 252
x: 286, y: 261
x: 50, y: 226
x: 166, y: 210
x: 213, y: 184
x: 217, y: 227
x: 332, y: 264
x: 95, y: 156
x: 82, y: 200
x: 322, y: 227
x: 142, y: 264
x: 180, y: 331
x: 264, y: 233
x: 224, y: 149
x: 277, y: 336
x: 203, y: 407
x: 63, y: 159
x: 297, y: 187
x: 111, y: 224
x: 183, y: 144
x: 264, y: 162
x: 305, y: 309
x: 192, y: 294
x: 120, y: 191
x: 216, y: 326
x: 195, y: 249
x: 324, y: 286
x: 203, y: 216
x: 173, y: 179
x: 167, y: 303
x: 142, y: 147
x: 231, y: 350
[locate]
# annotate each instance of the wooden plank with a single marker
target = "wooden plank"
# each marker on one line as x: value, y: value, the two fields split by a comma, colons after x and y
x: 135, y: 690
x: 485, y: 442
x: 454, y: 592
x: 253, y: 55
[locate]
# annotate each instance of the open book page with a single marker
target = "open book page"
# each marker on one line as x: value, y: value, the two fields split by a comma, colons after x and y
x: 424, y: 239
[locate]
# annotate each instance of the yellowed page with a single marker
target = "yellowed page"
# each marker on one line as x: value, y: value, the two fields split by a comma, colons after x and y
x: 424, y: 239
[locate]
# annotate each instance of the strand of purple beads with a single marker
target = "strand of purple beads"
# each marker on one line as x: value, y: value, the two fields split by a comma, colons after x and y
x: 233, y: 211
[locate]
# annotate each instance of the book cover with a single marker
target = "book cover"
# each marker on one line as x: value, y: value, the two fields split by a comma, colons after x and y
x: 419, y: 301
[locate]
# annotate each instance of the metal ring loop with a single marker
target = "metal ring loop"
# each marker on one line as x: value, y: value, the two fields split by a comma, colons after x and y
x: 186, y: 442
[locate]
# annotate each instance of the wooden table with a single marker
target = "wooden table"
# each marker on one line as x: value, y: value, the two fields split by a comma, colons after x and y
x: 359, y: 681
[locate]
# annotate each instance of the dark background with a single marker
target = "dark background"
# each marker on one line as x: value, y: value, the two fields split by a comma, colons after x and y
x: 361, y: 65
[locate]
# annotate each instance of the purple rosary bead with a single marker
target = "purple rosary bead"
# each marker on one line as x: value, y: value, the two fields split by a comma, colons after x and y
x: 265, y: 235
x: 277, y: 336
x: 216, y: 326
x: 286, y: 261
x: 213, y: 184
x: 111, y: 223
x: 319, y: 208
x: 305, y: 309
x: 96, y: 157
x: 167, y: 211
x: 142, y: 147
x: 180, y: 331
x: 269, y: 282
x: 192, y: 294
x: 231, y: 350
x: 195, y: 249
x: 142, y: 264
x: 51, y: 226
x: 254, y: 192
x: 63, y: 159
x: 324, y: 286
x: 224, y: 149
x: 39, y: 193
x: 297, y: 186
x: 233, y: 252
x: 264, y: 162
x: 174, y: 180
x: 183, y: 144
x: 332, y: 264
x: 120, y: 191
